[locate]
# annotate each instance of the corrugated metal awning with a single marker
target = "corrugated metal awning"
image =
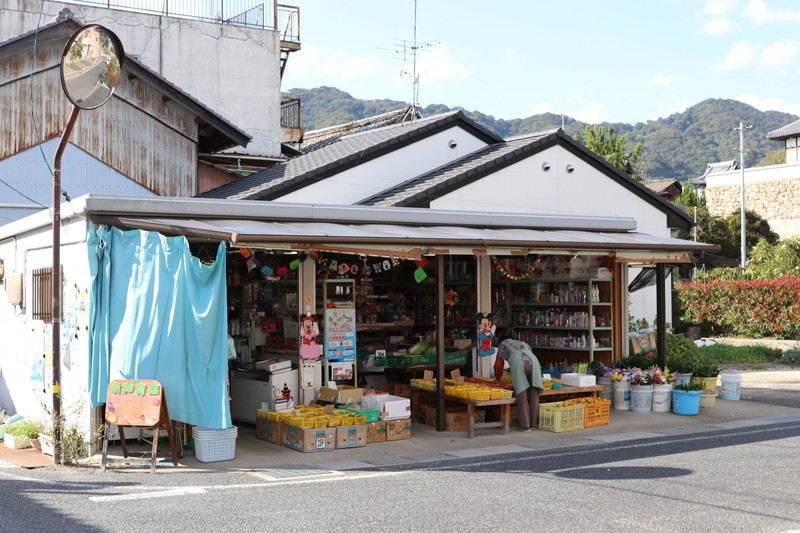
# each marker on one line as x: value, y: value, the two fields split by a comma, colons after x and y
x: 410, y: 240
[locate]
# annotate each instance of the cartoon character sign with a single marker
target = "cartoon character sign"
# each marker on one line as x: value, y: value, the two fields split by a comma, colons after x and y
x: 485, y: 334
x: 309, y: 349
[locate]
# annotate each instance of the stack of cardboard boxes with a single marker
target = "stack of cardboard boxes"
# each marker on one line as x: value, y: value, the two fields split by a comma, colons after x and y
x: 394, y: 424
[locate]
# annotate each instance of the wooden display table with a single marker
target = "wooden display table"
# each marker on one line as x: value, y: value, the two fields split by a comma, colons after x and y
x: 505, y: 409
x: 505, y: 405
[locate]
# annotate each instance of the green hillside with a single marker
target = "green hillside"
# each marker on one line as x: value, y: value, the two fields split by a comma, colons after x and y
x: 678, y: 146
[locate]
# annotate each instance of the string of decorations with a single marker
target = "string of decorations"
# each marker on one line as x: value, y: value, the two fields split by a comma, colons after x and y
x: 514, y: 277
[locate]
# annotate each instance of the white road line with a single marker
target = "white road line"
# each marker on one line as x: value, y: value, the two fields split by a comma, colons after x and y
x: 157, y: 494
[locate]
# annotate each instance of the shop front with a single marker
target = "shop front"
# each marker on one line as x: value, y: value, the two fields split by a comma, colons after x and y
x: 352, y: 299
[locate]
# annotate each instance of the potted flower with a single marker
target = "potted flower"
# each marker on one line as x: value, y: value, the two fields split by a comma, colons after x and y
x: 620, y: 380
x: 706, y: 373
x: 641, y: 390
x: 663, y: 382
x: 603, y: 377
x: 686, y: 398
x: 19, y: 434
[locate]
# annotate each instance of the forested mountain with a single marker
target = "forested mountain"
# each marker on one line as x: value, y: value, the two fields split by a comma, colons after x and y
x: 678, y: 146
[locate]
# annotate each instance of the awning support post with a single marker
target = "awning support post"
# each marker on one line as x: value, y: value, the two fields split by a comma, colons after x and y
x: 661, y: 312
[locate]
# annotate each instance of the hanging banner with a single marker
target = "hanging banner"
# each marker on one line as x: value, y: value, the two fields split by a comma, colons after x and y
x: 340, y: 334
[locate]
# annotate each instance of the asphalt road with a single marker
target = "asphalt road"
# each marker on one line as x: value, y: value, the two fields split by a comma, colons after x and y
x: 734, y: 480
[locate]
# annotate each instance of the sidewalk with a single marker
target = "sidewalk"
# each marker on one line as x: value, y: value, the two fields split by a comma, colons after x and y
x: 427, y: 444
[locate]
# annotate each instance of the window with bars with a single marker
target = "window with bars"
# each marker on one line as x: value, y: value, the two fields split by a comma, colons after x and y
x: 42, y: 294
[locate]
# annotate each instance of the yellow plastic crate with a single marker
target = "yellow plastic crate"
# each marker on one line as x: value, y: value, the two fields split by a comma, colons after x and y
x: 320, y: 422
x: 506, y: 394
x: 334, y: 421
x: 557, y: 417
x: 302, y: 422
x: 482, y: 395
x: 359, y: 419
x: 496, y: 394
x: 285, y: 418
x: 346, y: 420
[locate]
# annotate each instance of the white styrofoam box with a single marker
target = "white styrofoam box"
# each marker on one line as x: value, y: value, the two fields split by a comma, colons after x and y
x: 599, y: 272
x: 394, y: 407
x: 578, y: 380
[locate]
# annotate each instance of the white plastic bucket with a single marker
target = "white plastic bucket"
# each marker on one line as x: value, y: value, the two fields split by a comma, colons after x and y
x: 608, y: 389
x: 641, y: 398
x: 622, y: 395
x: 731, y: 386
x: 662, y: 398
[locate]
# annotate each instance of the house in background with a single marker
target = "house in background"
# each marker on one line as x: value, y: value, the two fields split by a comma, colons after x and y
x: 667, y: 189
x: 450, y: 162
x: 146, y: 140
x: 773, y: 192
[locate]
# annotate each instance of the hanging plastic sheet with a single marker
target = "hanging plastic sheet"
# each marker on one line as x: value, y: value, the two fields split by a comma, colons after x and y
x: 157, y: 312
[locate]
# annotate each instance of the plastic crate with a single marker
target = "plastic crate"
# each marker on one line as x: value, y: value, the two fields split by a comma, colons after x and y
x: 370, y: 415
x: 455, y: 358
x: 210, y: 451
x: 558, y: 417
x: 597, y: 413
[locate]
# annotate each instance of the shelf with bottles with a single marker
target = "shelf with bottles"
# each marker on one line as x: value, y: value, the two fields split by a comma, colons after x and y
x: 560, y: 317
x: 557, y: 340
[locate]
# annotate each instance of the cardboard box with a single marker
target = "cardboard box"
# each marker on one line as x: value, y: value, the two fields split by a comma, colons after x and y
x: 308, y: 440
x: 268, y: 430
x: 394, y: 407
x: 351, y: 436
x: 398, y: 429
x: 578, y: 380
x: 455, y: 420
x: 341, y: 394
x: 398, y: 389
x: 376, y: 431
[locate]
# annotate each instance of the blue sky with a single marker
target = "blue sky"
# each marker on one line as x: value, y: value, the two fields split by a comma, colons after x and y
x: 616, y: 60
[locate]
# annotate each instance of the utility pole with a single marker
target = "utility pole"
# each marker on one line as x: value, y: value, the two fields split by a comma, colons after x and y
x: 741, y: 161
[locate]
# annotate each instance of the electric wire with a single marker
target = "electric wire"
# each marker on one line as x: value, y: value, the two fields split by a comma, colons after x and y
x: 4, y: 182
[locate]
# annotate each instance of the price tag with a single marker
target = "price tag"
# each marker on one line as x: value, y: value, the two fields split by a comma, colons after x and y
x: 427, y: 375
x: 456, y: 375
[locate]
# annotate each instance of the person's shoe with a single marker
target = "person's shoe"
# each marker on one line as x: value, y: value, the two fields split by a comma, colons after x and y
x: 525, y: 430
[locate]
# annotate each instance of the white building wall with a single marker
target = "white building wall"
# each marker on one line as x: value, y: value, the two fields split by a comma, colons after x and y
x: 233, y: 70
x: 26, y: 358
x: 527, y: 187
x: 370, y: 178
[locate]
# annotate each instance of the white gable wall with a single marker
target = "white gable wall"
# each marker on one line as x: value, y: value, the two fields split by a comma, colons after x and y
x: 526, y: 187
x: 365, y: 180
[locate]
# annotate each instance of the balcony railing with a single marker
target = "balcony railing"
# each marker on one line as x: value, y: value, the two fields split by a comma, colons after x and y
x: 290, y: 112
x: 252, y: 13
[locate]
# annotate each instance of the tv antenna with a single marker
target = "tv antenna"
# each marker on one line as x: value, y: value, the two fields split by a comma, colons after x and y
x: 409, y: 55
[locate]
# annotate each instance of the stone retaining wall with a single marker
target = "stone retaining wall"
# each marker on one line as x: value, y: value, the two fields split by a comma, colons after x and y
x: 769, y: 343
x: 778, y: 201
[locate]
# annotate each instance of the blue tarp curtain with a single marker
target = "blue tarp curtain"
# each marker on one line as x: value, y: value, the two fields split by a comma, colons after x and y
x: 157, y: 312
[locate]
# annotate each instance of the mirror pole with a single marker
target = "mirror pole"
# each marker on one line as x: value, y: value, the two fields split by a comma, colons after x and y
x: 56, y: 283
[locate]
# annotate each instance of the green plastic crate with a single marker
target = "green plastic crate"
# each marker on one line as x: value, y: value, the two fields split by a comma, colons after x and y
x: 373, y: 415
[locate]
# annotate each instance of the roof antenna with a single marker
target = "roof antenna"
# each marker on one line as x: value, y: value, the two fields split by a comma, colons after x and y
x: 413, y: 110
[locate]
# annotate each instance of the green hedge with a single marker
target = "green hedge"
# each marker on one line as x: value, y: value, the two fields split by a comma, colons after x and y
x: 756, y: 308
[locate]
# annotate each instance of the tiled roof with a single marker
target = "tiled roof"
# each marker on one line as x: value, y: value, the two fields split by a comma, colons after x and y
x: 660, y: 185
x: 315, y: 139
x: 791, y: 130
x: 348, y: 151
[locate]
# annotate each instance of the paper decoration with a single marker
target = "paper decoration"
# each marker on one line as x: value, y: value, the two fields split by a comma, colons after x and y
x: 420, y: 275
x: 508, y: 275
x: 422, y: 262
x: 245, y: 252
x: 294, y: 264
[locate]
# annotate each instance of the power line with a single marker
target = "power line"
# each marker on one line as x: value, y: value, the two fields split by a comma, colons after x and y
x: 4, y: 182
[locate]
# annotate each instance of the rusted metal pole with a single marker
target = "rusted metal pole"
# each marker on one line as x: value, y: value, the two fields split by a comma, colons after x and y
x: 441, y: 422
x: 56, y: 283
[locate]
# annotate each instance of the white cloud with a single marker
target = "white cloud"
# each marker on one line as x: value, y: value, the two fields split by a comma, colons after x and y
x: 717, y: 26
x: 593, y: 112
x: 760, y: 13
x: 664, y: 80
x: 741, y: 54
x: 720, y: 7
x: 769, y: 103
x: 779, y: 54
x: 510, y: 52
x: 438, y: 67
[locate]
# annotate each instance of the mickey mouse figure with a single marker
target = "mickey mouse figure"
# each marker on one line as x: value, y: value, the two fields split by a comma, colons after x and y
x: 485, y: 334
